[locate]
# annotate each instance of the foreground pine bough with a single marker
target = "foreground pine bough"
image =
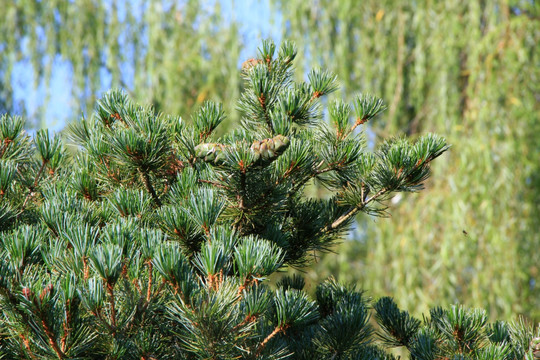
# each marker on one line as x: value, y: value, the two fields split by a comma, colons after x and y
x: 153, y: 240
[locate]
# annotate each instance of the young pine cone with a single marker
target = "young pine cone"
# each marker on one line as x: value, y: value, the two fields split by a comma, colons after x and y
x: 268, y: 150
x: 210, y: 152
x: 264, y: 151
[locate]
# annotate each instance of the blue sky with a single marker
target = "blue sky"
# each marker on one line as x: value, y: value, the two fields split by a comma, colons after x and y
x: 253, y: 16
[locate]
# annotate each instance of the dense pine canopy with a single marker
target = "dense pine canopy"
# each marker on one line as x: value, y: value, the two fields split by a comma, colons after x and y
x: 151, y: 238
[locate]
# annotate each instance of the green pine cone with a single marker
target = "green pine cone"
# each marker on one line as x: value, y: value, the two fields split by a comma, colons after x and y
x: 210, y: 152
x: 265, y: 151
x: 269, y: 149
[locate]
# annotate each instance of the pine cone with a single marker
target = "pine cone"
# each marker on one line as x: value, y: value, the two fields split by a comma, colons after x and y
x: 268, y: 150
x: 535, y: 347
x: 210, y: 152
x: 265, y: 151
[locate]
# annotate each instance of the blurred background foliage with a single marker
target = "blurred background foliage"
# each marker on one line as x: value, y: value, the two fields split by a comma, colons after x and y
x: 171, y: 54
x: 468, y: 70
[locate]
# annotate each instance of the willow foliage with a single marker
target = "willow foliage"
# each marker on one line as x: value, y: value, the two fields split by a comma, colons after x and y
x: 153, y: 49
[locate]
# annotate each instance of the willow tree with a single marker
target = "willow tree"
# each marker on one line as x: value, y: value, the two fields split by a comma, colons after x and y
x: 153, y: 49
x: 469, y: 70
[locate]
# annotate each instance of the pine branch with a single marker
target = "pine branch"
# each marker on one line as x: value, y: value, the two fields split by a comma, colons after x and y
x: 303, y: 181
x: 343, y: 218
x: 149, y: 290
x: 358, y: 121
x: 263, y: 344
x: 110, y: 291
x: 262, y: 102
x: 242, y: 196
x: 66, y: 326
x: 213, y: 183
x: 52, y: 340
x: 26, y: 344
x: 248, y: 319
x: 4, y: 147
x: 149, y: 187
x: 85, y: 268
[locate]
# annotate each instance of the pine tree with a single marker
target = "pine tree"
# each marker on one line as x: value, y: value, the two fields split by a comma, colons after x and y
x: 155, y: 240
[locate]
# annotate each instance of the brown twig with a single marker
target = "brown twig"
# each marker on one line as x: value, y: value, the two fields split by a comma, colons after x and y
x: 242, y: 195
x: 248, y: 319
x: 241, y: 288
x: 353, y: 211
x: 26, y: 344
x: 5, y: 146
x: 213, y: 183
x: 262, y: 345
x: 262, y: 101
x: 149, y: 290
x: 316, y: 95
x: 110, y: 291
x: 358, y: 121
x: 85, y: 268
x: 66, y: 327
x: 52, y: 340
x: 302, y: 182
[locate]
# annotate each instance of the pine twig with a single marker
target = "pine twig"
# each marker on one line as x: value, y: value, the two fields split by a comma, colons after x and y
x: 242, y: 287
x: 262, y: 101
x: 52, y: 341
x: 110, y: 291
x: 263, y: 344
x: 242, y: 203
x: 302, y: 182
x: 85, y: 268
x: 4, y: 147
x: 27, y: 346
x: 149, y: 290
x: 358, y: 121
x: 214, y: 184
x: 66, y: 327
x: 352, y: 212
x: 237, y: 225
x: 248, y: 319
x: 149, y: 187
